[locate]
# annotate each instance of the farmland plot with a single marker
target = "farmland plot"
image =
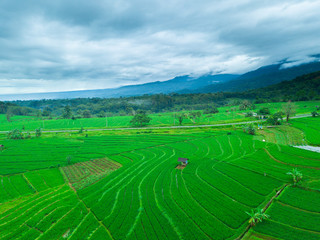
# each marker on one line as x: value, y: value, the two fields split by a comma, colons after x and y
x: 227, y: 176
x: 148, y: 198
x: 50, y: 211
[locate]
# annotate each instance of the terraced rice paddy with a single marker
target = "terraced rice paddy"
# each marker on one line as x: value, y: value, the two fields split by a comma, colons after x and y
x: 295, y: 215
x: 29, y: 154
x: 15, y: 186
x: 310, y: 128
x: 283, y: 134
x: 147, y: 197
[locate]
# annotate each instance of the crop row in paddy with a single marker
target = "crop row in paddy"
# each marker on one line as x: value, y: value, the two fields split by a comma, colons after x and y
x: 18, y: 185
x: 50, y: 211
x: 51, y: 214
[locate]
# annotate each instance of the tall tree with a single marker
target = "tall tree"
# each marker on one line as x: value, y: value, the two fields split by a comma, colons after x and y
x: 296, y: 175
x: 289, y: 109
x: 140, y: 119
x: 180, y: 118
x: 67, y: 112
x: 161, y: 101
x: 38, y: 132
x: 46, y: 112
x: 86, y: 113
x: 9, y: 114
x: 256, y: 216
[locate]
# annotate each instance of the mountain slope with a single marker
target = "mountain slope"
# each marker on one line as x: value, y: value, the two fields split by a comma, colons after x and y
x: 302, y: 88
x: 262, y: 77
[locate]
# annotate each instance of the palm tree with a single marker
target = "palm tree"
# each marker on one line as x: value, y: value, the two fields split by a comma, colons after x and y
x: 296, y: 175
x: 256, y: 216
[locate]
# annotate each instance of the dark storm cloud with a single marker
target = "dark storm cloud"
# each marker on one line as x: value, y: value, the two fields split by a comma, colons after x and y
x: 68, y: 44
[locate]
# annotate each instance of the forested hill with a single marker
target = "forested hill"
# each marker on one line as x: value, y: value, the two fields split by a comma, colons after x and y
x: 302, y: 88
x: 262, y: 77
x: 13, y: 109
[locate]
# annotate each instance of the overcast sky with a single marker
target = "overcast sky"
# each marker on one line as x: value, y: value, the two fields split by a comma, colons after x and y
x: 60, y: 45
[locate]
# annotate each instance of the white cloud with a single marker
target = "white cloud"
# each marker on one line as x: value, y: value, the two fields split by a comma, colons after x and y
x: 59, y: 45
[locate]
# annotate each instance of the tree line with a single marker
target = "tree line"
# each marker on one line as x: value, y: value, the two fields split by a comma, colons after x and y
x: 306, y: 87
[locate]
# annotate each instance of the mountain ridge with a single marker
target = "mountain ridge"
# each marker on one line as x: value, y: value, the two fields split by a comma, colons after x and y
x: 262, y: 77
x: 176, y: 84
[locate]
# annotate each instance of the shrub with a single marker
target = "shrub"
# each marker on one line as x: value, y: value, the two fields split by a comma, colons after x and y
x: 211, y: 110
x: 250, y: 129
x: 275, y: 119
x: 15, y: 134
x: 140, y: 119
x: 69, y: 158
x: 81, y: 130
x: 249, y: 114
x: 38, y: 132
x: 264, y: 111
x: 314, y: 114
x: 28, y: 135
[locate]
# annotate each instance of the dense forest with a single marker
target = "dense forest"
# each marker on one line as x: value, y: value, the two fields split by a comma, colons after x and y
x: 303, y: 88
x: 15, y: 109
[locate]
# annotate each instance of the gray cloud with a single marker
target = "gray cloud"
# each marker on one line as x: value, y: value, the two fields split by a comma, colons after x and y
x: 70, y: 45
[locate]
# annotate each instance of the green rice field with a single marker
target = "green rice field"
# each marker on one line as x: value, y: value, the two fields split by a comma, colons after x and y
x: 143, y: 195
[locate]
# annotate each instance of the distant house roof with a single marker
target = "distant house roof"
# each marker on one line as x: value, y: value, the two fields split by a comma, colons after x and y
x: 184, y: 160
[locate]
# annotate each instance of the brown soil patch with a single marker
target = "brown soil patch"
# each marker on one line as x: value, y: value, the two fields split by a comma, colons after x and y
x: 83, y: 174
x: 181, y: 166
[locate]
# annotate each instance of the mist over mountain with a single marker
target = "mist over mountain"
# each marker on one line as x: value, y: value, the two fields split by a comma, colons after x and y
x: 261, y: 77
x: 174, y: 85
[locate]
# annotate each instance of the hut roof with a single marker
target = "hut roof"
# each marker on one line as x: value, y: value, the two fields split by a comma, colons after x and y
x: 183, y: 160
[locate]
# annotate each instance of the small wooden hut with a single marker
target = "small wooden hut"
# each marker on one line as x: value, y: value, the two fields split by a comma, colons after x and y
x: 184, y: 161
